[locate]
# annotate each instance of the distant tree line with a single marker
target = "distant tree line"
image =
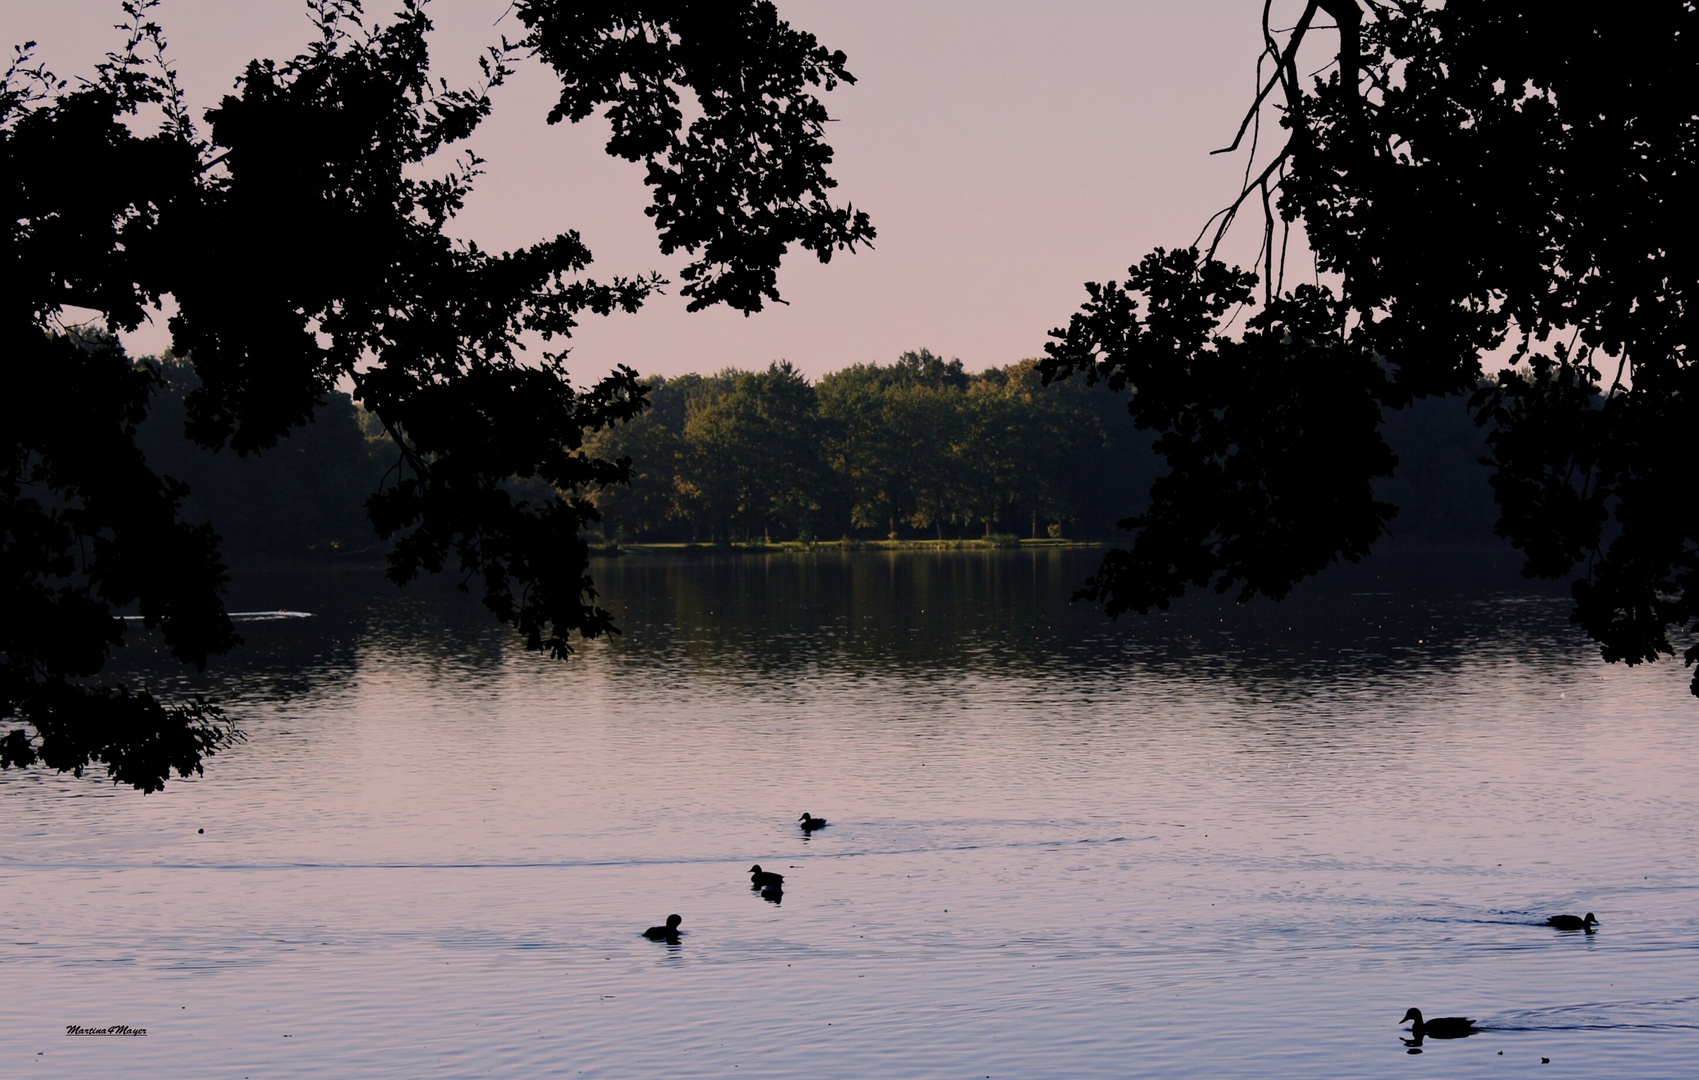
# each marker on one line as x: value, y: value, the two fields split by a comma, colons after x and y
x: 920, y: 448
x: 916, y: 449
x: 923, y: 449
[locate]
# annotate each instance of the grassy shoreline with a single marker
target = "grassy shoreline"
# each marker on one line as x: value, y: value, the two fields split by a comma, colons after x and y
x: 817, y: 547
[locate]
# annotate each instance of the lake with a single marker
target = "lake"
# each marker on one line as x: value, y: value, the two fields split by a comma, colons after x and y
x: 1221, y: 842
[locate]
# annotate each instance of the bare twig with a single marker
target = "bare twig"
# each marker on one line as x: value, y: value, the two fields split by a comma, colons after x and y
x: 1227, y: 215
x: 1267, y: 246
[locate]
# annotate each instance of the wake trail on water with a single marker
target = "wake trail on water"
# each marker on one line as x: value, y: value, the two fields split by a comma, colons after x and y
x: 1590, y: 1016
x: 567, y: 864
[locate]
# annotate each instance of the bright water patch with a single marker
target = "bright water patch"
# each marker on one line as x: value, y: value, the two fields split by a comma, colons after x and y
x: 1216, y: 843
x: 245, y: 616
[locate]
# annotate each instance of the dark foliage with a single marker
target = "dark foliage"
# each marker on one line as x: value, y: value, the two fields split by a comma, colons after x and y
x: 91, y: 529
x: 1472, y: 176
x: 1249, y: 427
x: 754, y: 79
x: 302, y: 502
x: 305, y: 247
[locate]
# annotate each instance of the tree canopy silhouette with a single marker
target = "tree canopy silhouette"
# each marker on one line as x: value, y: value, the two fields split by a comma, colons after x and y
x: 302, y: 238
x: 1474, y: 178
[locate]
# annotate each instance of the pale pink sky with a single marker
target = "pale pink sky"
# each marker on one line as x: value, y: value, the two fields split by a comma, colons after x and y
x: 1007, y: 151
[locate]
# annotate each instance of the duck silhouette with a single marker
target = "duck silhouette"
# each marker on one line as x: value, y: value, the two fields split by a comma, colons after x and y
x: 1570, y: 922
x: 1440, y: 1027
x: 810, y: 823
x: 761, y: 879
x: 668, y: 933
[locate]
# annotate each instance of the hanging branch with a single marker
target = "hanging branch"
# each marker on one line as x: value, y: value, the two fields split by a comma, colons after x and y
x: 1265, y: 184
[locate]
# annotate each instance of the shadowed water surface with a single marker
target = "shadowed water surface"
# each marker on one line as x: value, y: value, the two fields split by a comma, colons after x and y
x: 1220, y: 842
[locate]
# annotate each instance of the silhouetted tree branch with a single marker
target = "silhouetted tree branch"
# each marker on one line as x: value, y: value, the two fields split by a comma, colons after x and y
x: 1471, y: 176
x: 303, y: 239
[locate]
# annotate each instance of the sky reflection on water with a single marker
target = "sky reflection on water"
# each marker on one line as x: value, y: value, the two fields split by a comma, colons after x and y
x: 1219, y: 842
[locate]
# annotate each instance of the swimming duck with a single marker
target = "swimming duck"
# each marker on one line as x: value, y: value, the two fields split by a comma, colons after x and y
x: 1440, y: 1027
x: 760, y: 879
x: 810, y: 823
x: 1570, y: 922
x: 668, y: 932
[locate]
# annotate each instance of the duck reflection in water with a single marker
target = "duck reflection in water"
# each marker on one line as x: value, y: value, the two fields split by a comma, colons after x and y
x: 667, y: 933
x: 773, y: 894
x: 1440, y: 1027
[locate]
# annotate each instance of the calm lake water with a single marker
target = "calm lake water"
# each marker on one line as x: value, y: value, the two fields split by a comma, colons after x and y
x: 1218, y: 843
